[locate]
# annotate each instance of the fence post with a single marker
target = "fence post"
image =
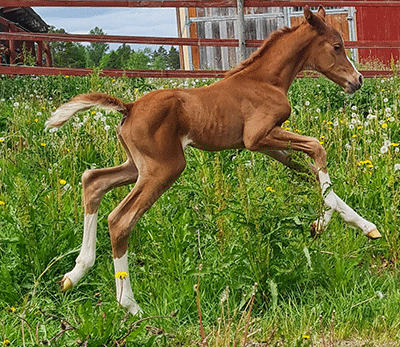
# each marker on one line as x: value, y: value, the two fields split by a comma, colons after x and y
x: 352, y: 31
x: 241, y: 29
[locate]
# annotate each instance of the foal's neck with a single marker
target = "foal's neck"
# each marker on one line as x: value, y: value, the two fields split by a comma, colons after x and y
x: 280, y: 64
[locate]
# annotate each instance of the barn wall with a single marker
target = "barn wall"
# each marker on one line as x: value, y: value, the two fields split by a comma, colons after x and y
x: 378, y: 24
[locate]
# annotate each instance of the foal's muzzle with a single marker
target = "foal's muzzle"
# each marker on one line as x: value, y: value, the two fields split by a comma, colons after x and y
x: 355, y: 85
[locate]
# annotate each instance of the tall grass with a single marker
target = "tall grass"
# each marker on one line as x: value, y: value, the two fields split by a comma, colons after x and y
x: 242, y: 216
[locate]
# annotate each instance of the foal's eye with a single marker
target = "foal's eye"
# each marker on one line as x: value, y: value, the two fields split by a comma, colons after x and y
x: 336, y: 48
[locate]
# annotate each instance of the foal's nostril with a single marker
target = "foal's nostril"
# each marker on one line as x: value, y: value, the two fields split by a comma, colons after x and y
x: 360, y: 79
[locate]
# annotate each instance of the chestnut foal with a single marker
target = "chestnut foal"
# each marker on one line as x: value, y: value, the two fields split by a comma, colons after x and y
x: 244, y: 110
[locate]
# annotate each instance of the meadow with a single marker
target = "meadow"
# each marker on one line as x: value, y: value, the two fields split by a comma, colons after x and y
x: 229, y: 242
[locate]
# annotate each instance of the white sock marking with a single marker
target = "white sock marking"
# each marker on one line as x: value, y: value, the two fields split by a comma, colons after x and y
x: 337, y: 204
x: 123, y: 285
x: 87, y: 255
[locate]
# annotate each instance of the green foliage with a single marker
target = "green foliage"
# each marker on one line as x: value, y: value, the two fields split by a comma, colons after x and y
x: 242, y: 216
x: 67, y: 54
x: 96, y: 50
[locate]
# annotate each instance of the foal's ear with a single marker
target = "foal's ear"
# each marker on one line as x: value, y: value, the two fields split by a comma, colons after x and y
x: 321, y: 12
x: 315, y: 20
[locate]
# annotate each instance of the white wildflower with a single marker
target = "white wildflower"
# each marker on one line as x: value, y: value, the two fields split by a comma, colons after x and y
x: 384, y: 149
x: 385, y: 100
x: 16, y: 104
x: 354, y: 107
x: 307, y: 103
x: 396, y: 167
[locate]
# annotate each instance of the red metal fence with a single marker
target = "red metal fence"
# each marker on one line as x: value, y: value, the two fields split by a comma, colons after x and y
x: 47, y: 37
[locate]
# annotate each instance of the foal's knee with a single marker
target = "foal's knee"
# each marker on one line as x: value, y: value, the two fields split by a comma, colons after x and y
x: 318, y: 153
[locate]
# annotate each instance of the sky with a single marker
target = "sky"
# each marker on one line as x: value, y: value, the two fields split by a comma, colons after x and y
x: 157, y: 22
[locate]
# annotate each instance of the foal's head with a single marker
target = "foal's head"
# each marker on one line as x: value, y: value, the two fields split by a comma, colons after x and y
x: 327, y: 54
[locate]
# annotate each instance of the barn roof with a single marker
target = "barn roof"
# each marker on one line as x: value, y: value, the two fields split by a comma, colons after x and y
x: 25, y: 18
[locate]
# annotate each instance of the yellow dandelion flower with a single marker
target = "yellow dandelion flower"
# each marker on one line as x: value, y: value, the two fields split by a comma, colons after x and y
x: 6, y: 342
x: 393, y: 144
x: 370, y: 166
x: 359, y: 127
x: 93, y: 112
x: 66, y: 76
x: 306, y: 337
x: 384, y: 125
x: 113, y: 80
x: 43, y: 144
x: 269, y: 189
x: 67, y: 149
x: 36, y: 120
x: 354, y: 135
x: 63, y: 182
x: 2, y: 202
x: 287, y: 129
x: 287, y: 121
x: 322, y: 137
x: 121, y: 275
x: 1, y: 139
x: 321, y: 142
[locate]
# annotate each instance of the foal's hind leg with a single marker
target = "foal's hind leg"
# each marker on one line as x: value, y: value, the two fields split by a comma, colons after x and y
x: 95, y: 184
x: 155, y: 176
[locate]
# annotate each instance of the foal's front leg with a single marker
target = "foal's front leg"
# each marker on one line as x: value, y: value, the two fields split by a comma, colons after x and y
x: 95, y: 184
x: 275, y: 144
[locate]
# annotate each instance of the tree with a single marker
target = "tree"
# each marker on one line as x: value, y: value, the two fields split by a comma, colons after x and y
x: 96, y: 50
x: 114, y: 61
x: 174, y: 62
x: 67, y: 54
x: 139, y: 60
x: 123, y: 53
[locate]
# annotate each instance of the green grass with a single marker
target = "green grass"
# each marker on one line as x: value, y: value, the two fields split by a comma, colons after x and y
x: 240, y: 215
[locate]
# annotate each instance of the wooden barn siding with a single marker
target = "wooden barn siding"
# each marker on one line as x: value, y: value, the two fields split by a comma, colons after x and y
x: 378, y: 24
x: 227, y: 57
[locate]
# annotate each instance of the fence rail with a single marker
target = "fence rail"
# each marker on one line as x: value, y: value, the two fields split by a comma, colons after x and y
x: 53, y: 71
x: 41, y: 37
x: 196, y: 3
x: 46, y: 37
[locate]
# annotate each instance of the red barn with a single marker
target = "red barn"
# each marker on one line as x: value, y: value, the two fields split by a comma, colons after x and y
x: 21, y: 19
x: 378, y: 24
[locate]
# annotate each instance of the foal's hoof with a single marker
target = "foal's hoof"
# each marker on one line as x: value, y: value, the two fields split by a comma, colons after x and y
x: 316, y: 229
x: 374, y: 234
x: 66, y: 284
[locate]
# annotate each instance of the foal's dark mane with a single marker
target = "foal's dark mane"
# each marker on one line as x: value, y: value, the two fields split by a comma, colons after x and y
x: 259, y: 52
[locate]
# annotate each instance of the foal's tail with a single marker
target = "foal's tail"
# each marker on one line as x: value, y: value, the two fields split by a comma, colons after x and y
x: 83, y: 102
